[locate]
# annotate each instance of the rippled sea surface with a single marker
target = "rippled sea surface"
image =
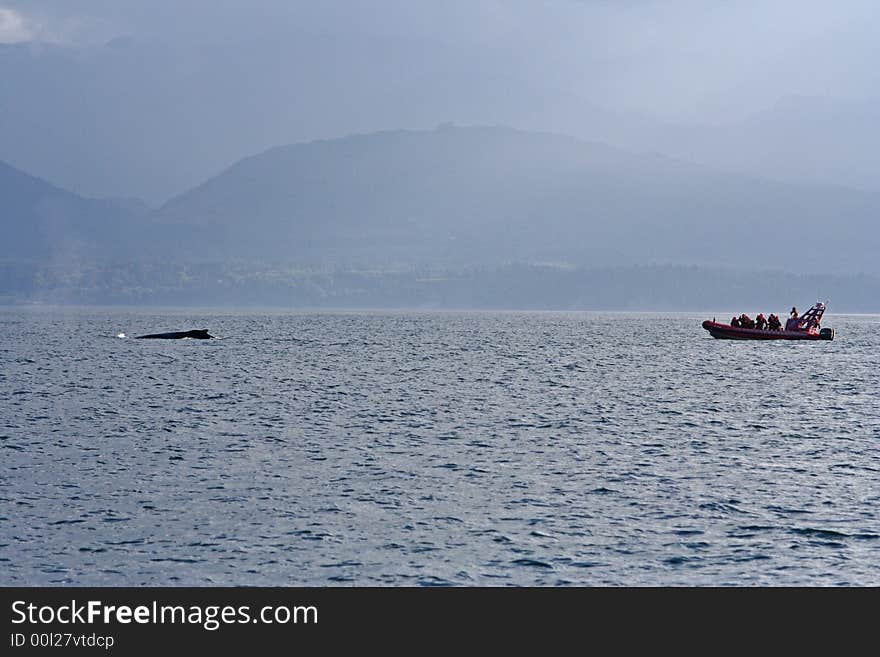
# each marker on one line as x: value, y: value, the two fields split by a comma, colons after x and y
x: 406, y: 448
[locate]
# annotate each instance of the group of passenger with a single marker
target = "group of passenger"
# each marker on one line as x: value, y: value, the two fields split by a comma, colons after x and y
x: 760, y: 322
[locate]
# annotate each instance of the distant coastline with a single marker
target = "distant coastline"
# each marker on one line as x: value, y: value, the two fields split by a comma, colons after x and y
x: 490, y: 287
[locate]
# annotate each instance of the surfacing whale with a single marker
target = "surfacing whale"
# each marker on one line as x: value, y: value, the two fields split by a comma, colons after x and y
x: 198, y: 334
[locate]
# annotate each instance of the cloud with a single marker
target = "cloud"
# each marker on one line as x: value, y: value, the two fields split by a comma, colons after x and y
x: 36, y: 24
x: 13, y: 27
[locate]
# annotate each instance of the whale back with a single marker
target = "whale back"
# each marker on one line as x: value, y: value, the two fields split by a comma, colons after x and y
x: 198, y: 334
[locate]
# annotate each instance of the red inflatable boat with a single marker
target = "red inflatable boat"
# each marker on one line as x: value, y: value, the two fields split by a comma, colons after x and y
x: 805, y: 327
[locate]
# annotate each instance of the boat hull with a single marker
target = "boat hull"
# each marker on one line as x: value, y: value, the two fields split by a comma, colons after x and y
x: 728, y: 332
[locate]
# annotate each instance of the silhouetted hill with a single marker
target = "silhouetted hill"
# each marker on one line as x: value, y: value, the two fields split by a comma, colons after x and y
x: 43, y: 222
x: 463, y: 196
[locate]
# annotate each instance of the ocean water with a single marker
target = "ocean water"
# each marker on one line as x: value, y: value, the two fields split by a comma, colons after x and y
x: 433, y: 448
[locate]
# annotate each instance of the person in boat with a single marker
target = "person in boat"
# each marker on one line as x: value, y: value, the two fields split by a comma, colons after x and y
x: 735, y: 322
x: 793, y: 314
x: 773, y: 323
x: 746, y: 322
x: 760, y: 322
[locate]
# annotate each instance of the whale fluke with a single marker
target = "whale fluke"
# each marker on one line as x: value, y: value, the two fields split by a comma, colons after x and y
x: 198, y: 334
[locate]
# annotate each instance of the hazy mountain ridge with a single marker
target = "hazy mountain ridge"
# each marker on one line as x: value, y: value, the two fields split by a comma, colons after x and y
x: 805, y: 140
x: 69, y: 112
x: 492, y: 195
x: 41, y: 221
x: 452, y: 200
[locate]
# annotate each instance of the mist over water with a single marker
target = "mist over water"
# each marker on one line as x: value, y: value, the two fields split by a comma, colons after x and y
x: 430, y: 448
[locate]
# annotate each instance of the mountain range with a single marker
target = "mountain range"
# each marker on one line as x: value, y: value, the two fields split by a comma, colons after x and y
x: 458, y: 196
x: 145, y: 118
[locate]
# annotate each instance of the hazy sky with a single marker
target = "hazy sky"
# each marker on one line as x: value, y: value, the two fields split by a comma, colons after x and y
x: 690, y: 59
x: 219, y: 79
